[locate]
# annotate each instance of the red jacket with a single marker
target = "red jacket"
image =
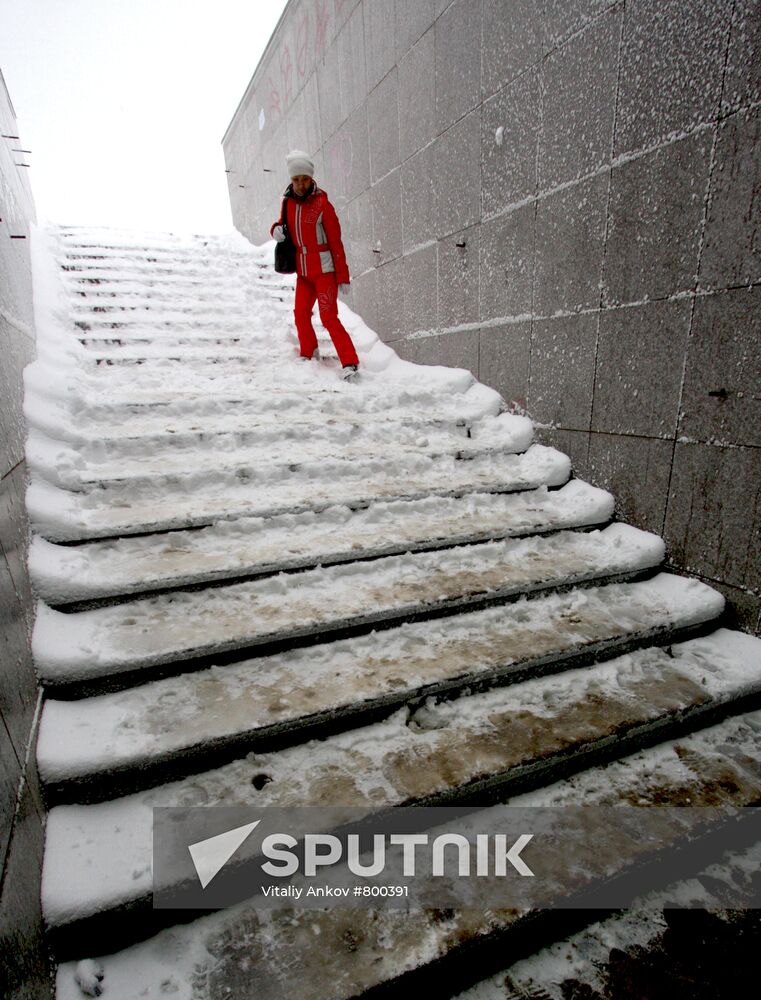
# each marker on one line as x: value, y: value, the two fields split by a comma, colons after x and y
x: 314, y: 227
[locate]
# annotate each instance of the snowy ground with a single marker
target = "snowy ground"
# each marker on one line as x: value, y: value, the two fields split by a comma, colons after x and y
x: 210, y: 494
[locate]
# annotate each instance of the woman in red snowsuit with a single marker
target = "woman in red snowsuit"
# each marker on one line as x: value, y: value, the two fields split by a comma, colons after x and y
x: 320, y: 260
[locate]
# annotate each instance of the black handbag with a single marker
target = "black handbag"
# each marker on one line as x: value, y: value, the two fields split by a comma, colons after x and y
x: 285, y: 252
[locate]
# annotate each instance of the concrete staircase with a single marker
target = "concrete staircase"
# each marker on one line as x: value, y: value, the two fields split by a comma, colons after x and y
x: 261, y: 586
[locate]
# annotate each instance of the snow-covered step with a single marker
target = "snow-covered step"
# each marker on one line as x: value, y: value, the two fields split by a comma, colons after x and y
x: 106, y: 271
x: 161, y: 323
x: 59, y: 515
x: 106, y: 264
x: 99, y: 341
x: 98, y: 857
x: 183, y: 293
x: 256, y: 546
x: 148, y: 291
x: 305, y: 955
x: 648, y: 942
x: 108, y: 462
x: 157, y: 354
x: 104, y: 311
x: 177, y: 319
x: 183, y: 627
x: 69, y: 250
x: 121, y: 410
x: 124, y: 332
x: 149, y: 354
x: 152, y: 427
x: 343, y: 953
x: 166, y: 286
x: 127, y: 261
x: 116, y: 743
x: 159, y: 357
x: 180, y: 250
x: 161, y: 334
x: 302, y: 389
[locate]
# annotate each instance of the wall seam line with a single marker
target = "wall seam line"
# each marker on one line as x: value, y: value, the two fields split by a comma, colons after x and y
x: 698, y: 264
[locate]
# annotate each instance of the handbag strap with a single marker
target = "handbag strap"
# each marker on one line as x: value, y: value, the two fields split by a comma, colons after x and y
x: 284, y: 215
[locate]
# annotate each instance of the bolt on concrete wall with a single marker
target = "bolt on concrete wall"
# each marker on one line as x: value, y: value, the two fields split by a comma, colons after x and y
x: 561, y: 196
x: 24, y: 968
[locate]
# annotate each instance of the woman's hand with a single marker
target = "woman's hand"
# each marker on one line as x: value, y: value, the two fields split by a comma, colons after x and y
x: 278, y: 234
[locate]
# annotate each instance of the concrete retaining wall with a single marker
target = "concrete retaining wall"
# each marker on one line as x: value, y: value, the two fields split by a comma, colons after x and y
x: 563, y: 197
x: 24, y: 969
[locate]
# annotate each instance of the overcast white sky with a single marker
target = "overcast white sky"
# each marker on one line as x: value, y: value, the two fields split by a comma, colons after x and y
x: 124, y: 103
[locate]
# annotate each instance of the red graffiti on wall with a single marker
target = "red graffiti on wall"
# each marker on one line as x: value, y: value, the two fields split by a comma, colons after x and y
x: 275, y: 107
x: 302, y: 43
x: 286, y: 73
x: 322, y: 16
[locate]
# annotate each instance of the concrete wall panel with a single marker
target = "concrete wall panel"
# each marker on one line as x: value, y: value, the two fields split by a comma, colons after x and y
x: 10, y: 766
x: 452, y: 349
x: 671, y: 70
x: 577, y: 114
x: 714, y: 500
x: 347, y: 160
x: 356, y: 129
x: 343, y: 10
x: 387, y: 217
x: 458, y: 64
x: 417, y: 96
x: 458, y: 278
x: 456, y: 192
x: 365, y: 297
x: 570, y: 233
x: 507, y: 264
x: 657, y: 208
x: 412, y: 21
x: 418, y: 181
x: 329, y: 91
x: 351, y: 62
x: 22, y: 935
x: 312, y: 140
x: 505, y: 353
x: 509, y: 45
x: 639, y: 369
x: 732, y: 252
x: 390, y: 298
x: 357, y: 234
x: 509, y: 138
x: 296, y: 128
x: 420, y: 288
x: 721, y: 399
x: 24, y: 962
x: 563, y: 353
x: 575, y: 444
x: 380, y: 29
x: 599, y: 160
x: 636, y: 470
x: 383, y: 126
x: 563, y: 18
x: 742, y: 77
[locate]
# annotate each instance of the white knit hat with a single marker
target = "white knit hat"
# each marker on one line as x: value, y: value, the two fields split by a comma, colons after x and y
x: 299, y: 162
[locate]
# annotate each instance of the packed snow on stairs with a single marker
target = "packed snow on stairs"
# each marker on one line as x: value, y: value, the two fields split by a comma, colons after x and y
x: 260, y: 585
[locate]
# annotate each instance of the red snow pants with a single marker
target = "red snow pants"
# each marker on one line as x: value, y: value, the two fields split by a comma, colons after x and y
x: 324, y: 289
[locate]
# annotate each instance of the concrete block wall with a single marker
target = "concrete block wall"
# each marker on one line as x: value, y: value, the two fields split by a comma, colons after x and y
x: 563, y: 197
x: 24, y: 966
